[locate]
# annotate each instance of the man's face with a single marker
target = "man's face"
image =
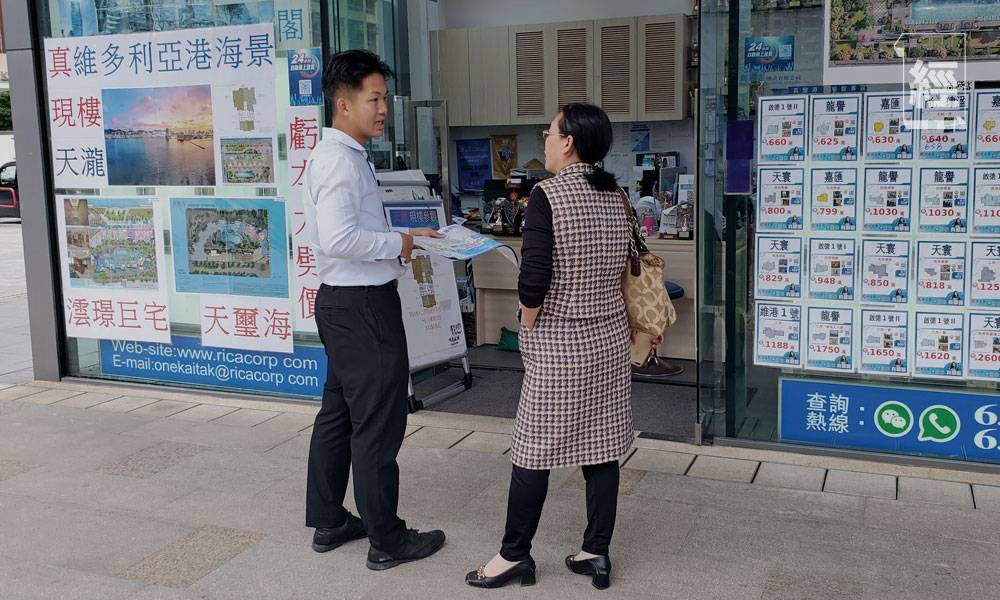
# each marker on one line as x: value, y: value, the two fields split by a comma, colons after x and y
x: 362, y: 111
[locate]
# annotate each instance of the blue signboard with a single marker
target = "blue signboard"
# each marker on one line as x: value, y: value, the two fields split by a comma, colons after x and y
x: 185, y: 360
x: 305, y: 77
x: 769, y: 54
x: 909, y: 420
x: 474, y: 166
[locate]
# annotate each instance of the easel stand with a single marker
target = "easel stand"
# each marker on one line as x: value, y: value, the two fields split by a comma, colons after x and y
x: 444, y: 393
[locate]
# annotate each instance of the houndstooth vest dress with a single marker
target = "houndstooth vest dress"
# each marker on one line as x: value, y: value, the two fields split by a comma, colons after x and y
x: 576, y: 399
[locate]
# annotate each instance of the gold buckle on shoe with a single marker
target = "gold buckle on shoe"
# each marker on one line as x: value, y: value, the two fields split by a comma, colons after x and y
x: 481, y: 572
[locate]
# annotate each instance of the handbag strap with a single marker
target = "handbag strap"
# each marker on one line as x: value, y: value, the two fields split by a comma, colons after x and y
x: 636, y: 241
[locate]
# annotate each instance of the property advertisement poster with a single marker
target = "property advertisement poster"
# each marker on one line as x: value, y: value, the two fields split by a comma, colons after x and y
x: 112, y: 268
x: 780, y: 197
x: 781, y: 136
x: 778, y: 335
x: 830, y: 339
x: 833, y: 134
x: 984, y: 285
x: 944, y: 200
x: 246, y: 323
x: 986, y: 205
x: 474, y: 165
x: 766, y: 55
x: 888, y: 135
x: 940, y: 345
x: 888, y: 192
x: 186, y: 107
x: 884, y: 342
x: 944, y: 132
x: 293, y: 23
x: 941, y: 273
x: 984, y: 346
x: 834, y: 195
x: 885, y: 271
x: 831, y: 268
x: 779, y: 267
x: 987, y: 140
x: 232, y: 246
x: 305, y: 77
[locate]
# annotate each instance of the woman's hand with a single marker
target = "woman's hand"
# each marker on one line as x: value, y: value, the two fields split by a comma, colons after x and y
x: 529, y: 316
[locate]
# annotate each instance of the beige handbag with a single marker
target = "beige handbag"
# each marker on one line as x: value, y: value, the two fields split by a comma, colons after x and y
x: 646, y: 301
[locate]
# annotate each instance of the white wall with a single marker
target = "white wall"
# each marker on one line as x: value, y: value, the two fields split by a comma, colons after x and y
x: 493, y: 13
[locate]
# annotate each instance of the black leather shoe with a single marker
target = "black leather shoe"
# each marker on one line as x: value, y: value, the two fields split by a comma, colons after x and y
x: 599, y: 568
x: 416, y: 546
x: 524, y: 569
x: 328, y: 538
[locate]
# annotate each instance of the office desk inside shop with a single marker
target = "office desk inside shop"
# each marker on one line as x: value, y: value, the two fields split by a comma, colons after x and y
x: 496, y: 295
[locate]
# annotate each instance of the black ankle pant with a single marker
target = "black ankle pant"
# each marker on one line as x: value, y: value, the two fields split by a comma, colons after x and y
x: 527, y: 497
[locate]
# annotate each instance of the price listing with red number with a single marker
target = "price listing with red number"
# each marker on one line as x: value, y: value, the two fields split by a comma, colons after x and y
x: 830, y: 341
x: 831, y: 268
x: 984, y: 346
x: 885, y: 267
x: 778, y: 335
x: 780, y: 194
x: 984, y: 284
x: 986, y: 202
x: 834, y: 200
x: 888, y: 193
x: 884, y: 342
x: 940, y: 343
x: 888, y: 127
x: 944, y: 126
x: 833, y: 134
x: 779, y: 267
x: 781, y: 134
x: 987, y: 140
x: 941, y: 268
x: 944, y: 200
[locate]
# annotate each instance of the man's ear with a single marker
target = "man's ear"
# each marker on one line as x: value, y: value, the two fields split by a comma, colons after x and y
x: 341, y: 104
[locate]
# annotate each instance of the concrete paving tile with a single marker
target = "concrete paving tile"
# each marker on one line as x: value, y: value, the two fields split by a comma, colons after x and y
x: 95, y: 541
x: 290, y: 423
x: 125, y: 403
x: 782, y: 584
x: 726, y: 469
x: 410, y: 430
x: 25, y: 580
x: 932, y: 520
x: 675, y: 463
x: 235, y: 471
x: 675, y: 576
x: 87, y: 400
x: 790, y: 476
x: 189, y: 559
x: 296, y: 447
x: 4, y: 386
x: 627, y: 482
x: 203, y: 413
x: 987, y: 497
x: 153, y: 459
x: 935, y: 492
x: 860, y: 484
x: 50, y: 396
x: 157, y: 592
x: 19, y: 391
x: 481, y: 441
x: 163, y: 408
x: 209, y: 434
x: 246, y: 417
x: 436, y: 437
x: 12, y: 468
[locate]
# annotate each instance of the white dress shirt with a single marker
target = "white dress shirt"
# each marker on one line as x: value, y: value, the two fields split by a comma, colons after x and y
x: 345, y: 221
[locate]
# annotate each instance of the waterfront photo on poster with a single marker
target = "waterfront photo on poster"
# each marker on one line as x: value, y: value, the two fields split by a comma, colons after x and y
x: 159, y: 136
x: 111, y: 243
x: 229, y: 246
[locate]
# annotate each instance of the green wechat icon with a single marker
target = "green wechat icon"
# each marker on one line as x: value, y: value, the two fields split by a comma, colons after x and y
x: 939, y: 423
x: 893, y: 419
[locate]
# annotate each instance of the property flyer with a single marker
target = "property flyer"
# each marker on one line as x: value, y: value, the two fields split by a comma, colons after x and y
x: 984, y: 346
x: 941, y: 273
x: 888, y: 135
x: 831, y: 268
x: 885, y: 267
x: 884, y: 342
x: 986, y: 203
x: 944, y: 121
x: 888, y: 191
x: 944, y: 200
x: 831, y: 339
x: 461, y: 243
x: 779, y: 267
x: 779, y: 333
x: 984, y: 286
x: 987, y: 140
x: 940, y: 345
x: 781, y: 136
x: 834, y: 198
x: 780, y: 197
x: 833, y: 131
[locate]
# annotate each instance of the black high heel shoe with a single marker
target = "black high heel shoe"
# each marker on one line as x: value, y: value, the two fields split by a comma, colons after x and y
x: 524, y: 569
x: 599, y: 568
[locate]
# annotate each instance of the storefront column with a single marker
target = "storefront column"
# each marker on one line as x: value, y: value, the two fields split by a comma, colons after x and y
x: 33, y: 177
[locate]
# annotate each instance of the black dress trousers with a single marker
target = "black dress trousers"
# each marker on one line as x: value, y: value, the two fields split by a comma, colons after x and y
x: 363, y: 416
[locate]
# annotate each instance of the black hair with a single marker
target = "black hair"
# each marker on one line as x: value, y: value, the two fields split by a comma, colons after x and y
x: 591, y: 131
x: 345, y: 71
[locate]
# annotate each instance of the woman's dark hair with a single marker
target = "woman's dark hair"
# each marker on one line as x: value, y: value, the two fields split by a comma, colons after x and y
x: 345, y: 71
x: 591, y: 131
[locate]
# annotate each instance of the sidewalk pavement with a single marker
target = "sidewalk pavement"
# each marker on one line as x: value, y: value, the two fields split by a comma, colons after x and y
x: 114, y: 492
x: 15, y: 352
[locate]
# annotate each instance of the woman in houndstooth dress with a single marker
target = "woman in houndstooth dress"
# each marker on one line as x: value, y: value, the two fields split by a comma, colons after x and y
x: 575, y: 407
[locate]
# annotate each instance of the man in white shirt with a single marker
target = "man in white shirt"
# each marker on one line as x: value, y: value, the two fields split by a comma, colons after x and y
x: 360, y: 322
